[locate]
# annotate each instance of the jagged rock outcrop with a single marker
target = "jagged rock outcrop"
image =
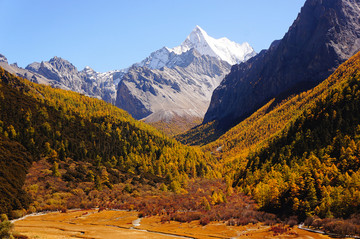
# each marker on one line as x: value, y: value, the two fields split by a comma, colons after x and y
x: 325, y: 34
x: 32, y: 76
x: 59, y: 70
x: 87, y: 81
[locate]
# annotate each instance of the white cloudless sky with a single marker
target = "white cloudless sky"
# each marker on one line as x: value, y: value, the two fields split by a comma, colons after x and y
x: 114, y: 34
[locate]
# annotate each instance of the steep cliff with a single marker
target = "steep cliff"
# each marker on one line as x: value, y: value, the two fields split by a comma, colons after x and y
x: 325, y: 34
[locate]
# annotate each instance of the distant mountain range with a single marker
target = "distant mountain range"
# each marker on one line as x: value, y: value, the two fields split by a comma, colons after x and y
x: 60, y: 73
x: 170, y: 83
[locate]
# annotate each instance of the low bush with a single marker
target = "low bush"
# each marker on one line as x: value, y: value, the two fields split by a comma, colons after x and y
x: 279, y: 229
x: 340, y: 227
x: 5, y: 227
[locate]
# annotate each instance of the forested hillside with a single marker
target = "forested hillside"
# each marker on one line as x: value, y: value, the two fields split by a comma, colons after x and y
x: 254, y: 133
x: 299, y: 156
x: 312, y: 167
x: 14, y: 163
x: 78, y: 145
x: 315, y: 45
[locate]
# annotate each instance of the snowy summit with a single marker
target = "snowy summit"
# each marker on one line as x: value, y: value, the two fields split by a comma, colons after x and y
x: 222, y: 48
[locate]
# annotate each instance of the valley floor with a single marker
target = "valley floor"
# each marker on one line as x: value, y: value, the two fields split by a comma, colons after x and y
x: 124, y: 224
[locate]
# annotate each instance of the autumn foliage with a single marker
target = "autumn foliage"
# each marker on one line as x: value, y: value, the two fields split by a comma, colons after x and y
x: 203, y: 201
x: 312, y: 166
x: 297, y: 158
x: 83, y: 144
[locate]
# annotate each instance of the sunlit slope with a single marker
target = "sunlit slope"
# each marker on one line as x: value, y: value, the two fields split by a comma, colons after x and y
x: 273, y: 117
x: 88, y: 141
x: 312, y: 166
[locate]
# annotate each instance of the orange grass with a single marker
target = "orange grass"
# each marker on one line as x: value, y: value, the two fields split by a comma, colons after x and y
x: 116, y: 224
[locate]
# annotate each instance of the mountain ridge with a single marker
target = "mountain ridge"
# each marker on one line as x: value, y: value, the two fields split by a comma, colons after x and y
x: 325, y: 34
x: 181, y: 90
x: 190, y: 86
x: 87, y: 81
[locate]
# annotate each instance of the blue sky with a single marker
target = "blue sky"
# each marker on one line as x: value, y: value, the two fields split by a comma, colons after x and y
x: 113, y: 34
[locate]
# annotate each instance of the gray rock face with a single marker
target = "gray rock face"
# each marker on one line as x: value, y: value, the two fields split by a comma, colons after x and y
x: 87, y: 81
x: 183, y: 90
x: 324, y: 35
x: 32, y: 76
x: 59, y: 70
x: 179, y: 81
x: 161, y: 58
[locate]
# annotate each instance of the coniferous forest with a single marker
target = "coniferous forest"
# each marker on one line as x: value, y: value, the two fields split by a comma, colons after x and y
x: 65, y: 150
x: 80, y: 143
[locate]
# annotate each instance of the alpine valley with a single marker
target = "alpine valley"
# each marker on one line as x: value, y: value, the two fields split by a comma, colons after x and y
x: 275, y: 154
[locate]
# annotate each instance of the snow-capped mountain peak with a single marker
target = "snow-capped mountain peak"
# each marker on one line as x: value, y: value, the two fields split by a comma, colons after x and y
x: 222, y: 48
x: 198, y: 39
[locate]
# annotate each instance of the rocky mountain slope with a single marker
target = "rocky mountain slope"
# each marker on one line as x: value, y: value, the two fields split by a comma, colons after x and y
x: 161, y: 94
x: 325, y: 34
x: 60, y: 73
x: 32, y: 76
x: 179, y: 81
x: 87, y: 81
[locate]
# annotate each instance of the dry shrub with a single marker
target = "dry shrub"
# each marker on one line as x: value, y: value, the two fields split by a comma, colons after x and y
x: 292, y: 221
x: 308, y: 221
x: 317, y: 223
x: 186, y: 216
x: 245, y: 221
x: 279, y: 229
x: 340, y: 227
x: 189, y: 206
x: 165, y: 218
x: 204, y: 221
x: 17, y: 214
